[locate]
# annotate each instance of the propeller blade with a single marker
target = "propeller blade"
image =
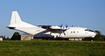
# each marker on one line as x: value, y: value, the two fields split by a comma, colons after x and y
x: 61, y: 25
x: 66, y: 26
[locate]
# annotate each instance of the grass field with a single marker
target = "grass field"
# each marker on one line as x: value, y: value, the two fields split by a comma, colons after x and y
x: 52, y: 48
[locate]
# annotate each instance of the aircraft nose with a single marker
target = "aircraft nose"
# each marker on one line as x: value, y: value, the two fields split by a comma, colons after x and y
x: 93, y: 34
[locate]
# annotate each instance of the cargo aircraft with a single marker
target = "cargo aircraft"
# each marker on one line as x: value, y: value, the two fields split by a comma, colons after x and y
x: 49, y: 30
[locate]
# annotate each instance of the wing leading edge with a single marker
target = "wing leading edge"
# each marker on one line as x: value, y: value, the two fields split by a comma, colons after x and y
x: 54, y: 29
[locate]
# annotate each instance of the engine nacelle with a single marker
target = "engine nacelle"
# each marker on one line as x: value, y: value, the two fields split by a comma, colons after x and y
x: 55, y: 27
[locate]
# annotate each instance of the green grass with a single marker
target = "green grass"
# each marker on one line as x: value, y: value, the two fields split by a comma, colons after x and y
x: 52, y: 48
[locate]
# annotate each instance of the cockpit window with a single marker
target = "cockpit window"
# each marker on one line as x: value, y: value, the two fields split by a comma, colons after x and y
x: 89, y: 30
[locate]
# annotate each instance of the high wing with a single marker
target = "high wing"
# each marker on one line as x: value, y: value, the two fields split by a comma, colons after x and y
x: 54, y: 29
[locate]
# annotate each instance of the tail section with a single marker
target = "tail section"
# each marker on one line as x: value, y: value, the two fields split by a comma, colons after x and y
x: 17, y: 22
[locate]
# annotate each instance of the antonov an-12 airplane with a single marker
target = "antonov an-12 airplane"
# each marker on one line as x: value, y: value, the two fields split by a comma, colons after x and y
x: 48, y: 30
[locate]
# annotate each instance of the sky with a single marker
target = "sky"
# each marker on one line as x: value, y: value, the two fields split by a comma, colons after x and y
x: 79, y: 13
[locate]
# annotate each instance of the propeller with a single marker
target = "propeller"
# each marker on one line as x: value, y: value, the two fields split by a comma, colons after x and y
x: 66, y: 26
x: 61, y: 26
x: 63, y: 31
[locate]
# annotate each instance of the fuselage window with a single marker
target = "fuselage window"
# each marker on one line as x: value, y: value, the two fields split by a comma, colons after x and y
x: 72, y: 31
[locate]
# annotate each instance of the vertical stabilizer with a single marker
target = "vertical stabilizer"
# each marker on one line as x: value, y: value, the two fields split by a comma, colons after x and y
x: 15, y: 18
x: 17, y: 22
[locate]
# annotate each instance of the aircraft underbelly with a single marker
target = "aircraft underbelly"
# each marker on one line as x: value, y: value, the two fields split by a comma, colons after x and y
x: 32, y: 31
